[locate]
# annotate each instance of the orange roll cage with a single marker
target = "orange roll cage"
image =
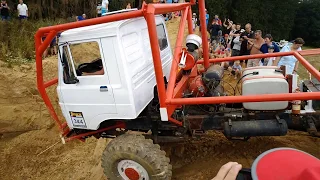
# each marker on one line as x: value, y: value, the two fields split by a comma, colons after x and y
x: 169, y: 98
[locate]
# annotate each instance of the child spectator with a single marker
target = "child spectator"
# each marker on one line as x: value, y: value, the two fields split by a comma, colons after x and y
x: 220, y: 53
x: 236, y: 69
x: 4, y: 8
x: 227, y: 53
x: 220, y: 38
x: 268, y: 61
x: 22, y: 10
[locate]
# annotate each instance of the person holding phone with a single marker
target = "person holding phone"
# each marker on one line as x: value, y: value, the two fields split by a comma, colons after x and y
x: 4, y: 8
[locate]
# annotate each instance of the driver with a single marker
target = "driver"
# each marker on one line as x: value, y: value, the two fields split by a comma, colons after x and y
x: 93, y: 68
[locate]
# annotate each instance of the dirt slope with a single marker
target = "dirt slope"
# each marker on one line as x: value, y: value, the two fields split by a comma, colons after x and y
x: 26, y: 129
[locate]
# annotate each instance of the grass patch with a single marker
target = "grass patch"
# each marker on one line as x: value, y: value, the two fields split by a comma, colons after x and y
x: 313, y: 60
x: 17, y: 40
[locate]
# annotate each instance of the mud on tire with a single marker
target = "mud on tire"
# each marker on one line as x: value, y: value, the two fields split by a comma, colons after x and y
x: 140, y: 150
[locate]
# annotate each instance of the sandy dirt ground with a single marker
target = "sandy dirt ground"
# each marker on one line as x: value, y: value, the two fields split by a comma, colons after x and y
x: 26, y: 130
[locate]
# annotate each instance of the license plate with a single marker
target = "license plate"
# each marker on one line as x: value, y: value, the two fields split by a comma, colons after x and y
x: 78, y: 120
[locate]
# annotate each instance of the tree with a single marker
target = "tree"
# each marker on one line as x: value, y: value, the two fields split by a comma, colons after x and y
x: 307, y: 22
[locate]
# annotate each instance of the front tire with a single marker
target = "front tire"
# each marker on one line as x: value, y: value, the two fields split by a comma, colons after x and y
x: 132, y: 157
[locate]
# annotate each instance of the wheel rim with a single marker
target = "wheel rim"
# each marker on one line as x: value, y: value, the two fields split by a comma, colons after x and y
x: 131, y: 170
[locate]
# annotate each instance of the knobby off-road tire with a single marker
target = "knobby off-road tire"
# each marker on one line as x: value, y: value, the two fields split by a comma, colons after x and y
x: 140, y: 150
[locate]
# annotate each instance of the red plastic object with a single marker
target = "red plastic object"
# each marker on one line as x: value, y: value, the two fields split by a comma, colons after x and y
x: 197, y: 87
x: 190, y: 61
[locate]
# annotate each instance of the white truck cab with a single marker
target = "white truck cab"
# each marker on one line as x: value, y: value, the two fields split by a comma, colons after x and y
x: 106, y: 71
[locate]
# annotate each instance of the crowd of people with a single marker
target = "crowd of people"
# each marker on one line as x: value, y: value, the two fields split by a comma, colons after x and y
x: 225, y: 39
x: 22, y: 10
x: 228, y: 39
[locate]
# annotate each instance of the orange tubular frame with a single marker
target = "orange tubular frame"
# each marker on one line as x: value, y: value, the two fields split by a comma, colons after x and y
x: 170, y: 98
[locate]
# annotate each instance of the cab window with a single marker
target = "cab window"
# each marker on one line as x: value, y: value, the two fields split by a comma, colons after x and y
x: 162, y: 37
x: 87, y: 58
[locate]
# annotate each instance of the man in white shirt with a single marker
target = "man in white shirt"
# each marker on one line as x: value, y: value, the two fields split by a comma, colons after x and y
x: 104, y: 7
x: 22, y: 10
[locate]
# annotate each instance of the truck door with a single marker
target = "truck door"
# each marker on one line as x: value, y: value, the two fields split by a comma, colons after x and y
x: 86, y: 89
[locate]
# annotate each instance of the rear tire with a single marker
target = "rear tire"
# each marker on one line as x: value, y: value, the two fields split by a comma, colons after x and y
x: 127, y: 153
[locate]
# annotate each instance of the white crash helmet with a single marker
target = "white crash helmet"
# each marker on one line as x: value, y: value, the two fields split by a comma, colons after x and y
x: 194, y: 39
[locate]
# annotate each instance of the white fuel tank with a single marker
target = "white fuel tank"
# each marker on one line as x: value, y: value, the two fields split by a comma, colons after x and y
x: 267, y: 81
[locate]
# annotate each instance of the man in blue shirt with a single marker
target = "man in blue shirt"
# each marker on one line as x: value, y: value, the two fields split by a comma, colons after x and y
x: 81, y: 18
x: 269, y: 42
x: 207, y: 17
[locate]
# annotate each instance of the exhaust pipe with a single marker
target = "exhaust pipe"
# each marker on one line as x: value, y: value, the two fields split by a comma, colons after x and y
x: 255, y: 128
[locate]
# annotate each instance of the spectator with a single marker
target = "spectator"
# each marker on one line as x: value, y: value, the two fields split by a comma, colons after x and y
x: 81, y: 18
x: 238, y: 28
x: 4, y: 8
x: 226, y: 41
x: 268, y: 61
x: 207, y: 18
x: 290, y: 62
x: 237, y: 45
x: 244, y: 37
x: 235, y: 34
x: 220, y: 38
x: 220, y: 53
x: 128, y: 6
x: 22, y: 10
x: 99, y: 10
x: 194, y: 21
x: 236, y: 69
x: 269, y: 42
x: 232, y: 31
x: 227, y: 53
x: 175, y: 1
x: 214, y: 29
x: 215, y: 46
x: 227, y: 26
x: 104, y: 7
x: 254, y: 48
x: 169, y: 1
x: 52, y: 46
x: 216, y: 17
x: 201, y: 49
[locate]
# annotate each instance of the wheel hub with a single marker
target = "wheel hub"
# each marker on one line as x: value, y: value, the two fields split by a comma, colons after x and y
x: 132, y: 174
x: 131, y: 170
